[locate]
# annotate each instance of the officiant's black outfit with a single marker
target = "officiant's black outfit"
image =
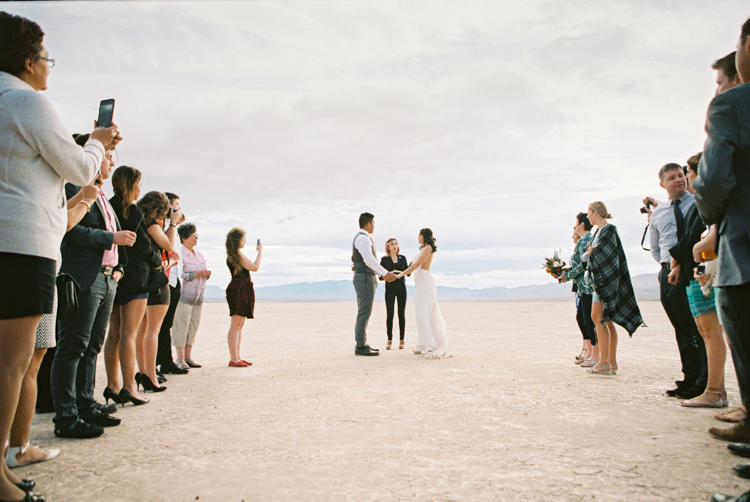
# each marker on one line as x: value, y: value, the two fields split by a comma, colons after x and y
x: 395, y: 290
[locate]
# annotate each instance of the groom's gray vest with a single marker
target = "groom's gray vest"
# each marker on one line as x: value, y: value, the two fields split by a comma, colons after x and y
x: 358, y: 261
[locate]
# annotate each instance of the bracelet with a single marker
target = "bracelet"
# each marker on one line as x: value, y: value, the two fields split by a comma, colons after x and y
x: 88, y: 206
x: 172, y: 224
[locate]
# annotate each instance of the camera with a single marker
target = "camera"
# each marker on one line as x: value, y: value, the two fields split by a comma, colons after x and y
x: 701, y: 269
x: 170, y: 211
x: 647, y: 209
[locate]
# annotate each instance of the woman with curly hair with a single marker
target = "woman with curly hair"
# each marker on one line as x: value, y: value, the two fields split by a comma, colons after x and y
x: 613, y: 301
x: 240, y: 293
x: 156, y: 211
x: 432, y: 339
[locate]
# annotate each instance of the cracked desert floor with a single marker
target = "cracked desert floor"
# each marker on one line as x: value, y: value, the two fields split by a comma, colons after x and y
x: 509, y: 417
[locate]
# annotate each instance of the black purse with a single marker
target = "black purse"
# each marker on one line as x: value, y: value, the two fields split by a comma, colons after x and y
x: 68, y: 291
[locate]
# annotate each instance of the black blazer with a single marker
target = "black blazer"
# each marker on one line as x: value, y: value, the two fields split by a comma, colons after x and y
x: 387, y: 263
x: 682, y: 252
x: 142, y: 259
x: 83, y: 245
x: 722, y: 189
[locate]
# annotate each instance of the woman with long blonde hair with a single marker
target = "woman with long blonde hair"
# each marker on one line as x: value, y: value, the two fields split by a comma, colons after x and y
x: 240, y: 292
x: 613, y: 300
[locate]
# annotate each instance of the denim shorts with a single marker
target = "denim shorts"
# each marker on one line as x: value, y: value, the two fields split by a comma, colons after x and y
x: 122, y: 300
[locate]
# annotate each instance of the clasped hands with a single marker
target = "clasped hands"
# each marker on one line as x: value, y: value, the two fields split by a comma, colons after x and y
x: 390, y: 276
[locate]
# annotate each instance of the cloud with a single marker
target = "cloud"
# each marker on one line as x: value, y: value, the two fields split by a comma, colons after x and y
x: 491, y: 123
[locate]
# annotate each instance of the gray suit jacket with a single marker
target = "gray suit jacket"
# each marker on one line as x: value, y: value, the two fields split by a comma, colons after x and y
x: 722, y: 190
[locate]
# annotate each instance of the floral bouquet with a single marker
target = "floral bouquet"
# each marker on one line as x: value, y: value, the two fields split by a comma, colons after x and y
x: 554, y: 266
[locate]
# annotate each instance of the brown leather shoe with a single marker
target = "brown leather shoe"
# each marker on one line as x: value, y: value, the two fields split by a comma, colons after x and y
x: 738, y: 433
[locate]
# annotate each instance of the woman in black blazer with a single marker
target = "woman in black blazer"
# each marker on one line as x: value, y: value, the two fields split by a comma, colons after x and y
x: 394, y: 290
x: 139, y: 279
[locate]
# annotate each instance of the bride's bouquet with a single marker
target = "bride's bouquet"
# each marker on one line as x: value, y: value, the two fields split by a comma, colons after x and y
x: 554, y: 266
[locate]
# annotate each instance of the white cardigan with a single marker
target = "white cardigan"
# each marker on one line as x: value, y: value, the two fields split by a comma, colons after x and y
x: 37, y: 156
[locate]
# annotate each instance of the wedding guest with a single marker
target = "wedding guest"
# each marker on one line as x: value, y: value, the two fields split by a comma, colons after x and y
x: 93, y: 252
x: 140, y: 277
x: 365, y: 267
x: 590, y: 353
x: 722, y: 193
x: 396, y: 290
x: 240, y: 292
x: 666, y: 226
x: 156, y: 209
x: 613, y: 299
x: 726, y: 73
x: 164, y: 352
x: 432, y: 333
x: 39, y: 154
x: 187, y: 316
x: 702, y: 308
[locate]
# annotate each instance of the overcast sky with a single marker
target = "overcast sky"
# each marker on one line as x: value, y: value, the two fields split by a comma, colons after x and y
x: 493, y: 123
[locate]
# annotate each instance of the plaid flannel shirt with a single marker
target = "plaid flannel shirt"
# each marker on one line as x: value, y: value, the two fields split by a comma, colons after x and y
x: 578, y: 266
x: 609, y: 269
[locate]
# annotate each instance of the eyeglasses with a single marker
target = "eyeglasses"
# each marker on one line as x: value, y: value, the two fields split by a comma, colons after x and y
x: 194, y: 235
x: 50, y: 61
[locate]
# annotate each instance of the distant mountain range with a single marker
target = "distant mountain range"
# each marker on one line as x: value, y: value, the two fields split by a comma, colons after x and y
x: 646, y: 288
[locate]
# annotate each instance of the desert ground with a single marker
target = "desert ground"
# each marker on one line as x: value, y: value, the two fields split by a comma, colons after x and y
x: 509, y: 417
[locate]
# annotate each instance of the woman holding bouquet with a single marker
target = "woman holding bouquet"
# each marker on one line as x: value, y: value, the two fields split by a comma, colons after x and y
x: 613, y: 300
x: 590, y: 353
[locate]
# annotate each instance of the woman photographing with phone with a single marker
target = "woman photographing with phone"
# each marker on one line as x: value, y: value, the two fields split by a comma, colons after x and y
x: 39, y: 155
x: 240, y: 292
x: 156, y: 210
x: 396, y: 290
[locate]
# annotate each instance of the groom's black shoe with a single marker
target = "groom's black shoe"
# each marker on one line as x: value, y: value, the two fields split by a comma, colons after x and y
x: 365, y: 351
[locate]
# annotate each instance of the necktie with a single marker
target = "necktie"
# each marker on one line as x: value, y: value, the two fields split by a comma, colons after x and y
x: 679, y: 219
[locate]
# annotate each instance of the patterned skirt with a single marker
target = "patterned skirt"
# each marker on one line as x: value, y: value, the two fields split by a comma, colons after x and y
x: 700, y: 304
x: 241, y: 297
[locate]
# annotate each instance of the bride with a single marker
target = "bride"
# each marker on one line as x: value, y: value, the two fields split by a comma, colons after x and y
x: 432, y: 340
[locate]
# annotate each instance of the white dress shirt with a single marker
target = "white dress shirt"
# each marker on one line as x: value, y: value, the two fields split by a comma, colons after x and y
x: 363, y: 242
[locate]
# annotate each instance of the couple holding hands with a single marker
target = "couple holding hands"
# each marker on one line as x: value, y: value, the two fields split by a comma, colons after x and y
x: 432, y: 339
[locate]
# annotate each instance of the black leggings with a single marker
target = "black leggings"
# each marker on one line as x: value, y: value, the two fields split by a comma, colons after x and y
x: 583, y: 316
x: 395, y: 290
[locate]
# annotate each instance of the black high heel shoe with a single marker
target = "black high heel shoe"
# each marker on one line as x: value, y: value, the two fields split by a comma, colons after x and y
x: 126, y: 395
x: 114, y: 396
x: 138, y: 381
x: 149, y: 385
x: 26, y: 485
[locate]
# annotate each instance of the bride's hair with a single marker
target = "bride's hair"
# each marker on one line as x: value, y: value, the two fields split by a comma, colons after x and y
x: 427, y: 238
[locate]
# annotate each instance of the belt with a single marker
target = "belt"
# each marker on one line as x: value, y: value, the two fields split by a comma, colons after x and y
x: 107, y: 270
x: 666, y: 266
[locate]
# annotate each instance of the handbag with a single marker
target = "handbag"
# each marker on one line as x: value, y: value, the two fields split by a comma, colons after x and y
x: 68, y: 292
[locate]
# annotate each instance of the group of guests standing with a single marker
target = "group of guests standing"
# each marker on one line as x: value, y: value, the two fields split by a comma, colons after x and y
x: 140, y: 290
x: 604, y: 291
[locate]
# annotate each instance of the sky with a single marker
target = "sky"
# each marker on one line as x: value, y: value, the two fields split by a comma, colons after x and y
x: 491, y: 122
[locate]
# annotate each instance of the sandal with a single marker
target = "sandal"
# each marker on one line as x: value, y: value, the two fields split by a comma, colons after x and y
x: 581, y: 357
x: 712, y: 403
x: 601, y: 370
x: 589, y: 363
x: 733, y: 415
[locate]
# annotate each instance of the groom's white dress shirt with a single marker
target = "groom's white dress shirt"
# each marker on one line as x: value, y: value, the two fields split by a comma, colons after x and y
x: 364, y: 244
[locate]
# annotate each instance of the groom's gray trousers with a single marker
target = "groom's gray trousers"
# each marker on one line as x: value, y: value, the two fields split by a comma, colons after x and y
x: 365, y: 285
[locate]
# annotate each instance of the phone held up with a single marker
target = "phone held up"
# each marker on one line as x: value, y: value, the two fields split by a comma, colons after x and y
x: 258, y: 244
x: 106, y: 111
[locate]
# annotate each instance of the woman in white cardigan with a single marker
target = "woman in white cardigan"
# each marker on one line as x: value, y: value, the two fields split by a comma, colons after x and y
x: 37, y: 157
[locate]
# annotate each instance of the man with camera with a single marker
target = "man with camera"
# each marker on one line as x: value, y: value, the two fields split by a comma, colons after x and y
x: 666, y: 227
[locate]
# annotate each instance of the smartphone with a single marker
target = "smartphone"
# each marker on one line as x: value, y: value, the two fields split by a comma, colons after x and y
x: 258, y: 244
x: 701, y: 269
x: 106, y: 110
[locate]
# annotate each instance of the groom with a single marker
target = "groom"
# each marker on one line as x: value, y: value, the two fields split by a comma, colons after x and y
x: 366, y: 268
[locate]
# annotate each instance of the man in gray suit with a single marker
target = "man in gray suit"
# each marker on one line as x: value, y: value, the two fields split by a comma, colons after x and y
x: 722, y: 194
x: 365, y: 267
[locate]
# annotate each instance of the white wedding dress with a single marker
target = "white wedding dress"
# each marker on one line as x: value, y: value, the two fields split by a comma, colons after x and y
x: 432, y: 334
